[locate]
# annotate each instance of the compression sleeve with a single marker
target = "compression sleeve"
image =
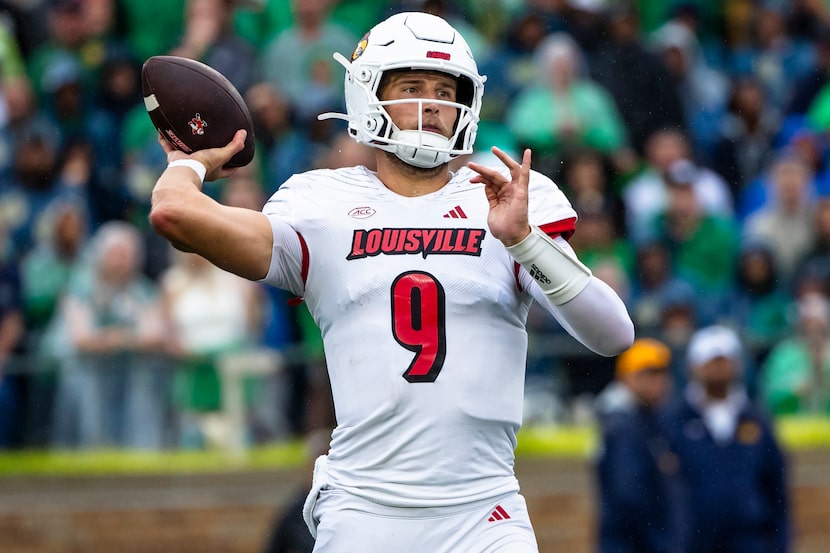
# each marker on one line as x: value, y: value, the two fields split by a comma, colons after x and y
x: 595, y: 315
x: 561, y: 276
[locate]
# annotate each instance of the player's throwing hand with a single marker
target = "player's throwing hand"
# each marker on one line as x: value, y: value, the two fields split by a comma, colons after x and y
x: 507, y: 218
x: 214, y: 159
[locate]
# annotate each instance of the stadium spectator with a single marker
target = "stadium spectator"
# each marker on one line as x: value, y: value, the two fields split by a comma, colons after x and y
x: 702, y: 89
x: 565, y: 109
x: 47, y: 266
x: 815, y: 265
x: 151, y: 27
x: 45, y: 273
x: 117, y: 93
x: 638, y: 493
x: 598, y: 241
x: 584, y: 21
x: 11, y: 337
x: 746, y: 135
x: 81, y: 31
x: 209, y: 36
x: 669, y: 156
x: 20, y: 116
x: 211, y: 312
x: 587, y: 176
x: 759, y: 306
x: 795, y: 140
x: 796, y: 374
x: 649, y: 102
x: 113, y: 381
x: 653, y: 282
x: 283, y: 146
x: 64, y: 98
x: 679, y: 319
x: 510, y: 67
x: 790, y: 206
x: 773, y: 55
x: 705, y: 20
x: 702, y: 247
x: 807, y: 87
x: 298, y: 60
x: 37, y: 182
x: 731, y: 465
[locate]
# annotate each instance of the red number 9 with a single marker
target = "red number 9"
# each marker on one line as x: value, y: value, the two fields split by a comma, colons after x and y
x: 419, y: 323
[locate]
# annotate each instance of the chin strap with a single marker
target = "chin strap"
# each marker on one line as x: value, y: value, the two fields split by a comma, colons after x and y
x: 560, y: 275
x: 420, y: 148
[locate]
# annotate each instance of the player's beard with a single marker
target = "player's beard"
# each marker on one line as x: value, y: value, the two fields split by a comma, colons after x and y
x: 412, y: 171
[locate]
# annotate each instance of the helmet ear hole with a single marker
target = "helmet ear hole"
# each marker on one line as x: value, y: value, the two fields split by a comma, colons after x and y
x: 371, y: 124
x: 465, y: 91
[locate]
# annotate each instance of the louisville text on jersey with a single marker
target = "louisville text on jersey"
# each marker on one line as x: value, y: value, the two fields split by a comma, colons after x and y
x: 424, y: 241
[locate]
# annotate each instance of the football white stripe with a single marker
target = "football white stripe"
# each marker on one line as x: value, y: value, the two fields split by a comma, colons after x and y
x: 150, y: 102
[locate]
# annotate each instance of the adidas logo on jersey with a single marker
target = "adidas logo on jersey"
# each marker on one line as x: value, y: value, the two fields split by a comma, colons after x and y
x: 538, y: 275
x: 498, y: 514
x: 455, y: 213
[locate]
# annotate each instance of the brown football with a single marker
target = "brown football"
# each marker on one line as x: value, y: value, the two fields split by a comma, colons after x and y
x: 194, y: 106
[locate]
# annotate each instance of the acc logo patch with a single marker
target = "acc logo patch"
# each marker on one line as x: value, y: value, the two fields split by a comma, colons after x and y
x: 197, y: 125
x: 361, y: 47
x: 362, y: 212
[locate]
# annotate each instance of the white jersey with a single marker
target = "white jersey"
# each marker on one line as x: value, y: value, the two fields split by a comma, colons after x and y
x: 422, y: 313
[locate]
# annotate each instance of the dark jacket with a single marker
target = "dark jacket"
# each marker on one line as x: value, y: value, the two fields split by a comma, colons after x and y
x: 636, y: 474
x: 736, y: 489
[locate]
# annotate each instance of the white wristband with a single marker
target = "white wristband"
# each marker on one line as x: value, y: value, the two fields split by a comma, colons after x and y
x: 559, y: 275
x: 197, y: 166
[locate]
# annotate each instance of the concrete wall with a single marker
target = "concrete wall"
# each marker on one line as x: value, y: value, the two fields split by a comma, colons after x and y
x: 232, y: 513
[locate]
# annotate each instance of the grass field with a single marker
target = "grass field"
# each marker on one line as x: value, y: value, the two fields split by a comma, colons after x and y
x: 537, y: 441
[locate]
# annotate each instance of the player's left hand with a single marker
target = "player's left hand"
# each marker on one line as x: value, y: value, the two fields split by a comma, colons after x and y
x: 507, y: 197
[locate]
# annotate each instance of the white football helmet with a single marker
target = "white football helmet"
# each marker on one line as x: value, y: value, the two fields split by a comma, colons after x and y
x: 417, y: 41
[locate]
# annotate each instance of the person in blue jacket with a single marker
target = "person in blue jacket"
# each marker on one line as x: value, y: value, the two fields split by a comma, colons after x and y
x: 732, y: 466
x: 636, y: 472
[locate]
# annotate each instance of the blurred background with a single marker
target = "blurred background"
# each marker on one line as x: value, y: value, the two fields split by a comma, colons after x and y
x: 691, y: 137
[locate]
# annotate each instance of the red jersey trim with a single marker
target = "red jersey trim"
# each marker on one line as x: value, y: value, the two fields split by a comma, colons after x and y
x: 564, y: 228
x: 297, y: 300
x: 516, y: 268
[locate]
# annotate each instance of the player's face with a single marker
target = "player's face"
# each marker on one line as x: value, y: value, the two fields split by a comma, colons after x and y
x: 422, y: 85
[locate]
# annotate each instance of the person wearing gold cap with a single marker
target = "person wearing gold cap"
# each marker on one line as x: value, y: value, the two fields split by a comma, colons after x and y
x: 636, y: 471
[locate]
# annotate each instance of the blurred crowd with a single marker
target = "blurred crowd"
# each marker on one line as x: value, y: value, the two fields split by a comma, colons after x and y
x: 691, y: 137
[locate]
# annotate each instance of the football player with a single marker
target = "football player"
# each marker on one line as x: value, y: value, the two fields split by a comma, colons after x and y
x: 420, y: 280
